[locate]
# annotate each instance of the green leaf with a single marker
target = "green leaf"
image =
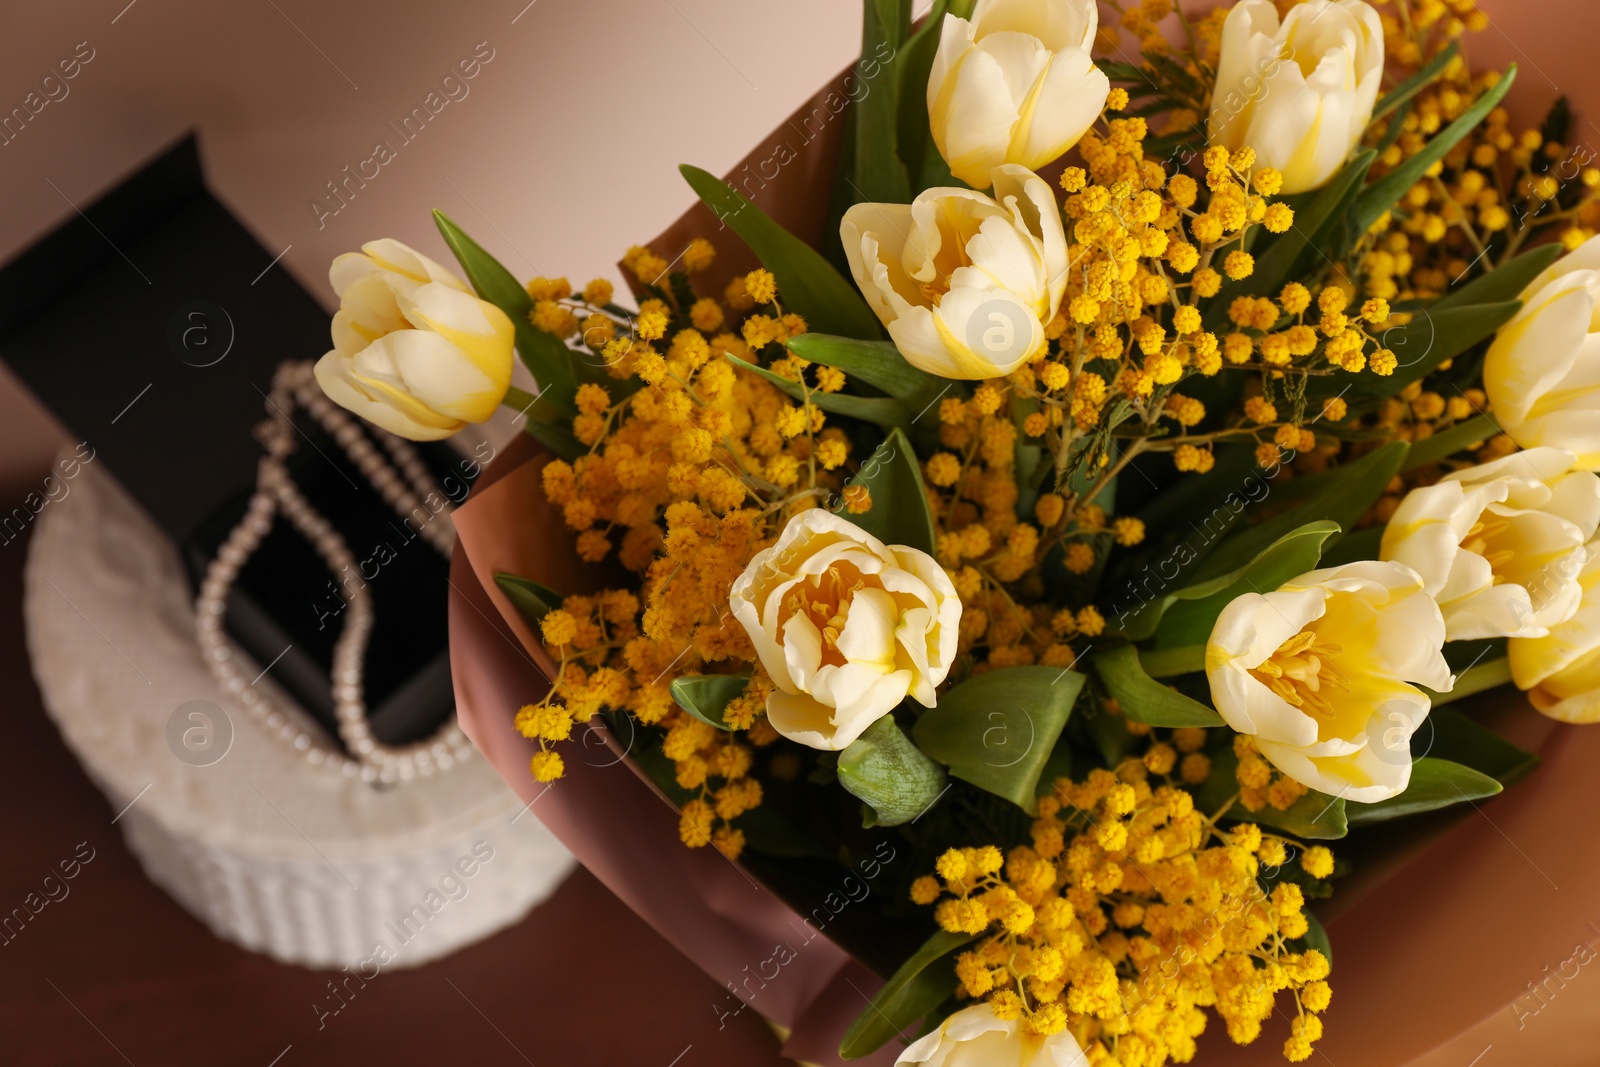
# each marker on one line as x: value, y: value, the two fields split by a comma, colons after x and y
x: 1384, y: 193
x: 880, y: 176
x: 924, y: 166
x: 1314, y: 213
x: 1416, y: 83
x: 997, y: 729
x: 1428, y: 340
x: 880, y: 410
x: 1296, y: 552
x: 1451, y: 734
x: 1317, y: 938
x: 1185, y: 616
x: 531, y: 599
x: 922, y: 983
x: 1143, y: 699
x: 899, y: 514
x: 1167, y: 662
x: 886, y: 412
x: 1442, y: 445
x: 890, y: 774
x: 807, y: 283
x: 1340, y: 495
x: 1358, y: 545
x: 880, y: 365
x: 1435, y: 783
x: 545, y: 423
x: 1315, y: 816
x: 706, y: 696
x: 545, y: 354
x: 1505, y: 282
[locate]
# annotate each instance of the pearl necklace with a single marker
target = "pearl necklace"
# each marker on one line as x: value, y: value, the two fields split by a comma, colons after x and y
x: 405, y: 491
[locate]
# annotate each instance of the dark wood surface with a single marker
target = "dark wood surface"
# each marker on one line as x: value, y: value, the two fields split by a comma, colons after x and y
x: 116, y: 973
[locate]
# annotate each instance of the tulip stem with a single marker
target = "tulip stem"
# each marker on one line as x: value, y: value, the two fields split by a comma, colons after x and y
x: 1476, y: 679
x: 1166, y: 662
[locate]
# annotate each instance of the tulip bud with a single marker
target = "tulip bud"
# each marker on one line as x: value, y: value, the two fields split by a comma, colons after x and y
x: 1014, y: 84
x: 1299, y: 93
x: 414, y: 352
x: 964, y: 282
x: 1542, y: 372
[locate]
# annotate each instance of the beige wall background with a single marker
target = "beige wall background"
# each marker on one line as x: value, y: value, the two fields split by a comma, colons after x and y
x: 561, y: 153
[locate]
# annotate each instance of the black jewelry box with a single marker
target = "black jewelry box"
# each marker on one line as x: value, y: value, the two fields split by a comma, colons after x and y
x: 151, y: 324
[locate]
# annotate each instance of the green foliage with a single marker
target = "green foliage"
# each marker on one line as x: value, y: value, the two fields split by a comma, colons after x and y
x: 1142, y: 698
x: 706, y: 696
x: 807, y: 283
x: 1383, y: 194
x: 1340, y: 496
x: 880, y: 410
x: 1435, y: 783
x: 899, y: 514
x: 890, y: 774
x: 921, y: 984
x: 1442, y: 445
x: 880, y: 175
x: 1451, y: 734
x: 1505, y: 282
x: 880, y: 365
x: 997, y: 729
x: 1428, y: 340
x: 531, y: 599
x: 1185, y: 616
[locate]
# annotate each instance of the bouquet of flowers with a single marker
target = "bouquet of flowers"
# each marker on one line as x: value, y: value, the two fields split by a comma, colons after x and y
x: 1148, y: 451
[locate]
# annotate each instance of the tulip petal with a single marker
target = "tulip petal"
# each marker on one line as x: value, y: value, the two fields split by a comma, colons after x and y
x: 1058, y: 24
x: 803, y: 719
x: 972, y: 119
x: 433, y: 371
x: 392, y: 255
x: 389, y: 409
x: 1065, y: 100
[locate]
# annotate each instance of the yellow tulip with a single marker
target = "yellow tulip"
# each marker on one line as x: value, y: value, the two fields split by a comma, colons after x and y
x: 1014, y: 84
x: 1561, y: 671
x: 1542, y: 372
x: 964, y: 282
x: 1299, y: 93
x: 1323, y: 672
x: 1499, y: 545
x: 414, y: 351
x: 846, y: 626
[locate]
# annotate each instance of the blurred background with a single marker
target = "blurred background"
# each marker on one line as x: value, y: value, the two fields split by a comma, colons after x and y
x: 559, y: 156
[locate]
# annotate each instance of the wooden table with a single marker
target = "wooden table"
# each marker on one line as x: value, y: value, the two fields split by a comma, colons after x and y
x: 115, y: 972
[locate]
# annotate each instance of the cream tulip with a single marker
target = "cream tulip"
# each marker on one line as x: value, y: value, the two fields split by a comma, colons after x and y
x: 976, y: 1037
x: 1542, y: 372
x: 964, y: 282
x: 846, y: 627
x: 1324, y: 671
x: 414, y: 351
x: 1499, y: 545
x: 1299, y: 93
x: 1014, y: 84
x: 1561, y: 670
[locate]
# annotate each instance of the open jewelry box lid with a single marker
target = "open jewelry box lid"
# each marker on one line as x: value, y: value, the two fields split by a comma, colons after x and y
x: 151, y: 323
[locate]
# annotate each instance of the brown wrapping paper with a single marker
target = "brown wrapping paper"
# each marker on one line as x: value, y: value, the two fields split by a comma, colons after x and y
x: 612, y: 819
